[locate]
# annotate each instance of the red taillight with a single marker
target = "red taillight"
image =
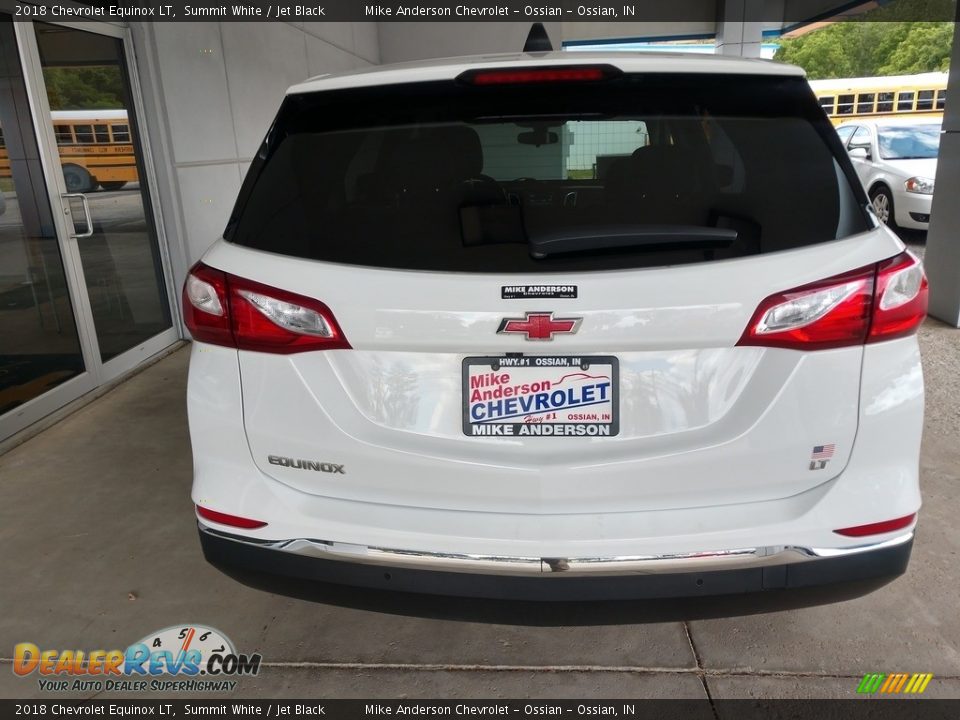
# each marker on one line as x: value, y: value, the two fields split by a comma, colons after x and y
x: 877, y: 528
x: 901, y: 298
x: 232, y: 520
x: 529, y: 76
x: 826, y: 314
x: 225, y: 309
x: 205, y: 308
x: 877, y: 302
x: 271, y: 320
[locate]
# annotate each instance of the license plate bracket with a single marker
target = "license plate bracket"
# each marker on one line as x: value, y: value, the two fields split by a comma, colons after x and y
x: 541, y: 396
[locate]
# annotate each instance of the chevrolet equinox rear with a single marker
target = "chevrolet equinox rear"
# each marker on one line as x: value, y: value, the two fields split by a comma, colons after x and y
x: 557, y: 326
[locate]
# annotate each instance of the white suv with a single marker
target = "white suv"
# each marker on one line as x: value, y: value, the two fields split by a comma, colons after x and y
x: 551, y: 326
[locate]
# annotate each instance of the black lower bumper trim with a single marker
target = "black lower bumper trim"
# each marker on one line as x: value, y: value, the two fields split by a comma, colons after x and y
x: 886, y: 563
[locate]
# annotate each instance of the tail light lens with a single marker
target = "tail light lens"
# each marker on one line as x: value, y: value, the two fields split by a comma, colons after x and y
x: 232, y: 520
x: 902, y: 293
x: 205, y: 309
x: 877, y: 302
x: 225, y: 309
x: 878, y: 528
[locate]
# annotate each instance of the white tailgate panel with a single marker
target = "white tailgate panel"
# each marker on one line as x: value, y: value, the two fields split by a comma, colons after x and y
x: 702, y: 422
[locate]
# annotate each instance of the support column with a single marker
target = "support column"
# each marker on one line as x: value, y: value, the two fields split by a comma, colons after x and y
x: 739, y: 29
x: 942, y: 259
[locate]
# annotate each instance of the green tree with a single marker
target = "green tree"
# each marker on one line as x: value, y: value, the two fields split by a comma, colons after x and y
x: 863, y: 49
x: 926, y: 47
x: 884, y: 41
x: 84, y: 88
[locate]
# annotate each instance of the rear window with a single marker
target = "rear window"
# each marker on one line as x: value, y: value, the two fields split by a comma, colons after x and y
x: 628, y: 172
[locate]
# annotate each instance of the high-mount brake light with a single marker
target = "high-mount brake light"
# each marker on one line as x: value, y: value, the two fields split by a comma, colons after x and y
x: 224, y: 309
x: 535, y: 76
x: 870, y: 304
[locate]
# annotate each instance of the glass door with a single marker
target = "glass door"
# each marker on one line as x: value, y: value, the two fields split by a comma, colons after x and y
x: 43, y: 361
x: 88, y: 94
x: 83, y: 292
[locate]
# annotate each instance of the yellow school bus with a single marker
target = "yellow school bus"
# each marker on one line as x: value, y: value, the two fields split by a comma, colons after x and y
x: 96, y: 149
x: 907, y: 95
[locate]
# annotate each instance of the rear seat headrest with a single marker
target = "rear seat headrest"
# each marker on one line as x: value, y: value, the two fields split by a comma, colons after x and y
x: 438, y: 157
x: 462, y: 147
x: 656, y: 170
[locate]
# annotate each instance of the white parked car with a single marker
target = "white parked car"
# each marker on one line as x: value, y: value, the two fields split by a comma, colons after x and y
x: 896, y: 160
x: 551, y: 326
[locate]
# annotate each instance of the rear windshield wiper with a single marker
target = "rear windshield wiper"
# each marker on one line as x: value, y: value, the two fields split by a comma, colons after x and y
x: 653, y: 237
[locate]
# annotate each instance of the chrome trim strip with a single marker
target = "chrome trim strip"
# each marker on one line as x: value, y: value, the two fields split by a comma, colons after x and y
x: 840, y: 552
x: 517, y: 565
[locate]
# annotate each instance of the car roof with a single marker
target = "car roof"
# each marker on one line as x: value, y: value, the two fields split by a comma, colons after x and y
x: 449, y: 68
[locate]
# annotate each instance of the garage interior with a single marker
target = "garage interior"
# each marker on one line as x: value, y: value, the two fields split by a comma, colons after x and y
x: 99, y: 536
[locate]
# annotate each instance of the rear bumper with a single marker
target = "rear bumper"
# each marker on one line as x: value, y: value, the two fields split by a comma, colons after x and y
x: 722, y: 572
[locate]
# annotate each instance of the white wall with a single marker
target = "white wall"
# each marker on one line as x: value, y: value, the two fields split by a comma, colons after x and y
x: 210, y: 93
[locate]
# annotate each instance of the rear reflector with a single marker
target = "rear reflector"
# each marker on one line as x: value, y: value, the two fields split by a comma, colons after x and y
x: 529, y: 76
x: 870, y: 304
x: 878, y: 528
x: 232, y: 520
x: 224, y: 309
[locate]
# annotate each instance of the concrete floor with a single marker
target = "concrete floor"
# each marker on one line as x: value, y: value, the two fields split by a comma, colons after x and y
x: 100, y: 549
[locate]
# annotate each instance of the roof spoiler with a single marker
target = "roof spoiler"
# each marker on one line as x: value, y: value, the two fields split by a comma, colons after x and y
x: 537, y: 40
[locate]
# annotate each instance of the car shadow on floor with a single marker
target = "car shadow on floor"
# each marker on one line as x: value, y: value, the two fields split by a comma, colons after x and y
x: 551, y: 614
x: 912, y: 237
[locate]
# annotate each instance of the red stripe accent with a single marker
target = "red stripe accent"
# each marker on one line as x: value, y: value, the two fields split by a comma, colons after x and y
x: 187, y: 640
x: 877, y: 528
x: 225, y: 519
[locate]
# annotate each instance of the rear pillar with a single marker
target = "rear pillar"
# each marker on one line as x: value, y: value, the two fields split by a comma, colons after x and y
x: 942, y: 259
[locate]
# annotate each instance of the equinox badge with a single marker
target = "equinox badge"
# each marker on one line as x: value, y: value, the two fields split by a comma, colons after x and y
x: 306, y: 464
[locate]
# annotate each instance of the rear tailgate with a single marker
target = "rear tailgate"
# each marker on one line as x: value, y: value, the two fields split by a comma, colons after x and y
x: 701, y: 421
x: 668, y: 202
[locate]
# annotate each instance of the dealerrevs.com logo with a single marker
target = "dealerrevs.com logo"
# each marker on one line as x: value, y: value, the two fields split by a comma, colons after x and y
x: 188, y: 658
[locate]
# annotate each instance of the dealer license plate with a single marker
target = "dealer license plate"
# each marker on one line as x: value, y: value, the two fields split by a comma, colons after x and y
x: 541, y: 396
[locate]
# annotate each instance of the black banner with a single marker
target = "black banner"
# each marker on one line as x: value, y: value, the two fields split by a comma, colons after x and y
x: 868, y: 709
x: 618, y: 11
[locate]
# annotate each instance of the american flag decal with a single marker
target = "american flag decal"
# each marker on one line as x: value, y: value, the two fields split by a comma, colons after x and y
x: 823, y: 452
